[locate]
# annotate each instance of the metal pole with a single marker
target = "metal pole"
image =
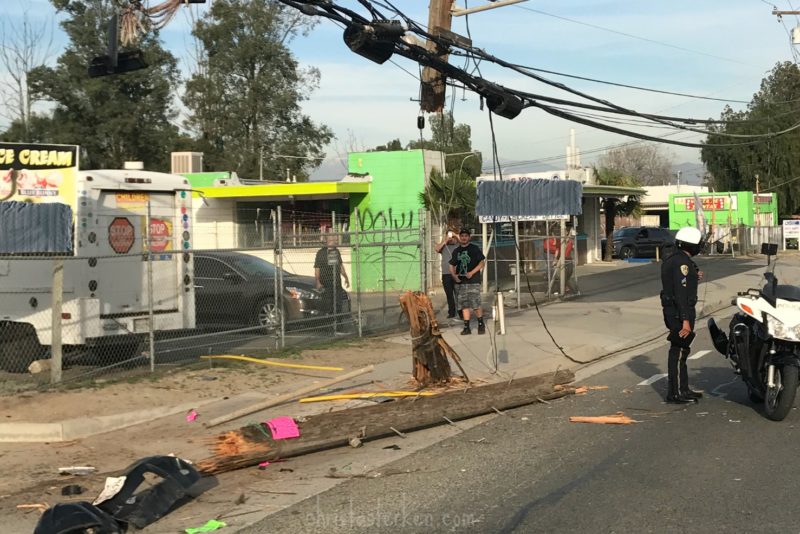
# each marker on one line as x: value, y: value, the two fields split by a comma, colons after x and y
x: 485, y: 272
x: 279, y: 299
x: 150, y: 312
x: 562, y: 265
x: 274, y: 215
x: 357, y: 271
x: 546, y: 247
x: 57, y: 301
x: 518, y: 265
x: 575, y: 254
x: 261, y: 163
x: 423, y: 252
x: 383, y: 271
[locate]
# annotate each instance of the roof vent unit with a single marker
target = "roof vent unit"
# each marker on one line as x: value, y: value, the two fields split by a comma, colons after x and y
x: 187, y: 162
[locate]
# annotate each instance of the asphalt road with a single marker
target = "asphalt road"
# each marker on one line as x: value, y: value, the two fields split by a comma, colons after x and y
x: 719, y: 466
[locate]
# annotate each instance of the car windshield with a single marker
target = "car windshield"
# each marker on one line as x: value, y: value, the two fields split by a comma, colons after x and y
x: 623, y: 232
x: 253, y: 266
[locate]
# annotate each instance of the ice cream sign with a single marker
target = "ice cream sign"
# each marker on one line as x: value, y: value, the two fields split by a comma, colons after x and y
x: 38, y: 173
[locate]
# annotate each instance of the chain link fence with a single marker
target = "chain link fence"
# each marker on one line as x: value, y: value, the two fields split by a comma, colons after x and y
x: 293, y: 283
x: 524, y: 260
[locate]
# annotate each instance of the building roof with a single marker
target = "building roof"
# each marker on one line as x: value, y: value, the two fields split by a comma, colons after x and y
x: 658, y: 195
x: 611, y: 190
x: 298, y: 189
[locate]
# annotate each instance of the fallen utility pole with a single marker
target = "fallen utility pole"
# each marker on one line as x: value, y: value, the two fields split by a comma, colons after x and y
x: 250, y: 445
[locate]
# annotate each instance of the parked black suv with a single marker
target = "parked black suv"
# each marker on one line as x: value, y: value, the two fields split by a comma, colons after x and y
x: 640, y: 241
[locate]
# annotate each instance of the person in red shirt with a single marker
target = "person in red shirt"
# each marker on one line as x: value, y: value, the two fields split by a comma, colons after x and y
x: 553, y: 246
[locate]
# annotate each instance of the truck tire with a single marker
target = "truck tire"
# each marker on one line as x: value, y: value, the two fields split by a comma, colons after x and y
x: 19, y: 347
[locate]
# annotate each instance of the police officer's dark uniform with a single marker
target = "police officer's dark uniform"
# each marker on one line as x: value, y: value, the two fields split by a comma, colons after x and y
x: 679, y: 279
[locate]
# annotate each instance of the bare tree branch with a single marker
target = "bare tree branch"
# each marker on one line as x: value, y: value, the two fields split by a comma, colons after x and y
x: 23, y: 47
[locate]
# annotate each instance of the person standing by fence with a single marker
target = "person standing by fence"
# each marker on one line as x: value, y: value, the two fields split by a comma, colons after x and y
x: 328, y: 274
x: 445, y: 249
x: 465, y: 268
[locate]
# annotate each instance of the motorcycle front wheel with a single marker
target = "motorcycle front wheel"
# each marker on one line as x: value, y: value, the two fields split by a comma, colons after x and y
x: 780, y: 399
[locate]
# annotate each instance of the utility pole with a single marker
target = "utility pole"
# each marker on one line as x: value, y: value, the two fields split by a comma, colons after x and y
x: 440, y: 19
x: 758, y: 199
x: 433, y: 81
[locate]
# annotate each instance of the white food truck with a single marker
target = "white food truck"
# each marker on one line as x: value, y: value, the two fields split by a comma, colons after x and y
x: 107, y: 253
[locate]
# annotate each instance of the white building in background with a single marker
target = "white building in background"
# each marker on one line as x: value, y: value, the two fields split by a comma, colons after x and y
x: 655, y: 204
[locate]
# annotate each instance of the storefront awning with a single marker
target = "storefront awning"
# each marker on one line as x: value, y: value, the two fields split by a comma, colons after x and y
x: 297, y: 190
x: 612, y: 191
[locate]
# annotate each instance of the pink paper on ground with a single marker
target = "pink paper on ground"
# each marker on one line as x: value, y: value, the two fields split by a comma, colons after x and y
x: 283, y: 428
x: 191, y: 416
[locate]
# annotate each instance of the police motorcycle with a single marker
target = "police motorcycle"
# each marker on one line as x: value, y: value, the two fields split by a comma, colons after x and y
x: 763, y: 343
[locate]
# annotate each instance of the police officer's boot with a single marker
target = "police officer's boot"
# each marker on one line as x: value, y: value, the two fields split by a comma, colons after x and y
x: 674, y: 395
x: 683, y: 373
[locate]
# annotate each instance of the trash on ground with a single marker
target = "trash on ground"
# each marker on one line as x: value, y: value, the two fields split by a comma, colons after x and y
x: 72, y: 489
x: 191, y: 416
x: 618, y: 418
x: 39, y: 366
x: 141, y: 508
x: 77, y: 517
x: 734, y: 421
x: 393, y: 447
x: 369, y: 395
x: 355, y: 442
x: 112, y: 487
x: 582, y: 390
x: 283, y: 428
x: 210, y: 526
x: 35, y: 506
x: 263, y: 465
x: 77, y: 470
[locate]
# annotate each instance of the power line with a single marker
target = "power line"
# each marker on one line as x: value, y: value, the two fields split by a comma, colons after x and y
x: 632, y: 36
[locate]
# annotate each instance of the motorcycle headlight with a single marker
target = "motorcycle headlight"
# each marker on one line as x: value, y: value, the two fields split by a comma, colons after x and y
x: 299, y: 293
x: 781, y: 331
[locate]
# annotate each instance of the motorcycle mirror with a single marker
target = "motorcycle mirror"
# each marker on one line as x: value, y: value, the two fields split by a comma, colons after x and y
x: 769, y: 250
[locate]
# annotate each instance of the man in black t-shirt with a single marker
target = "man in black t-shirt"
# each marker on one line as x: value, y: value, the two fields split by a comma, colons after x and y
x: 328, y: 273
x: 465, y: 268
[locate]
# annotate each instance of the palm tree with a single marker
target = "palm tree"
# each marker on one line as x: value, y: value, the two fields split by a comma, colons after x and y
x: 449, y: 198
x: 613, y: 206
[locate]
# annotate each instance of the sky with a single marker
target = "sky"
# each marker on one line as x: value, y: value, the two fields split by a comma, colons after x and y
x: 712, y: 48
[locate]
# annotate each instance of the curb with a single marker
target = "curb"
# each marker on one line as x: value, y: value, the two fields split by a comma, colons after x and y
x: 84, y: 427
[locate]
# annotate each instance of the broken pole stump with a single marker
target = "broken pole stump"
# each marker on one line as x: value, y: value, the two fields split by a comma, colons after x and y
x: 250, y: 445
x: 429, y: 350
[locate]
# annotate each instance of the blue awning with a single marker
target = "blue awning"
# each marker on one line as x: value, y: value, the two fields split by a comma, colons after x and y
x: 528, y: 200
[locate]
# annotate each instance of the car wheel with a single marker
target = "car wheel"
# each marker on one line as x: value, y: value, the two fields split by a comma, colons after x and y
x: 626, y: 252
x: 267, y: 315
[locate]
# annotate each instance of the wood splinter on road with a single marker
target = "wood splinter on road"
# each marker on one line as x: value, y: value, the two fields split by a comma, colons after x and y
x: 618, y: 418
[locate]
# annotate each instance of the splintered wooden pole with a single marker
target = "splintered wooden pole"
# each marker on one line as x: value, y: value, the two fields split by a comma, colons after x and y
x: 429, y: 350
x: 253, y: 444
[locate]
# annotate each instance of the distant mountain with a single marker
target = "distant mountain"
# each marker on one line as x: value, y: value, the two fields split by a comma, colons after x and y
x: 330, y: 170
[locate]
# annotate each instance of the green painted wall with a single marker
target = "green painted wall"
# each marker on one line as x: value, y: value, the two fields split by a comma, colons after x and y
x: 205, y: 179
x: 389, y: 213
x: 737, y: 208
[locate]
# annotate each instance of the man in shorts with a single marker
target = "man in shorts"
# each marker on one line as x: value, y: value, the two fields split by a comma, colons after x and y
x: 466, y: 263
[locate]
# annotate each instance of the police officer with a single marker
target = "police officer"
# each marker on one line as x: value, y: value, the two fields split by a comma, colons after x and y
x: 679, y: 278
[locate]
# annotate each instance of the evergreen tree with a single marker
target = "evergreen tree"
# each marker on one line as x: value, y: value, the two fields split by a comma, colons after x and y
x: 114, y: 118
x: 245, y: 97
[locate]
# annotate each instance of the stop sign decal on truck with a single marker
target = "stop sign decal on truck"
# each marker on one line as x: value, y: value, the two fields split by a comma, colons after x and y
x: 160, y: 235
x: 121, y: 235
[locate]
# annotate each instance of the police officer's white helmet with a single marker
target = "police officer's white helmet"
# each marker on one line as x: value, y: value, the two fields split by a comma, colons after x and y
x: 689, y: 239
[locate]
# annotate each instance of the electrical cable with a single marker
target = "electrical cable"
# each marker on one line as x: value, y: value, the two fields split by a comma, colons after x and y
x: 630, y: 35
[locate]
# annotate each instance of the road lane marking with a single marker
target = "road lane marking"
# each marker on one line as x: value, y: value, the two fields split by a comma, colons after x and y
x: 698, y: 354
x: 652, y: 380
